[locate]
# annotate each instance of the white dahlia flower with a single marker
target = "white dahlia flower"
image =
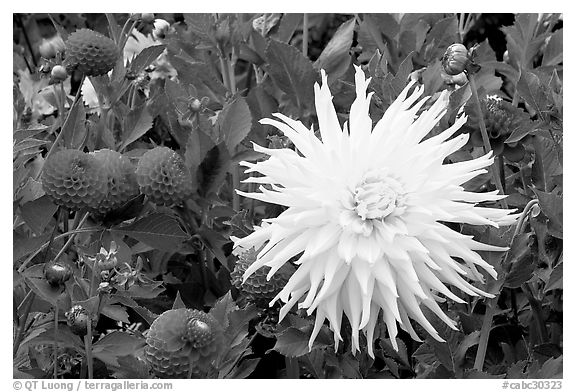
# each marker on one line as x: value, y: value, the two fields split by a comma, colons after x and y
x: 365, y: 212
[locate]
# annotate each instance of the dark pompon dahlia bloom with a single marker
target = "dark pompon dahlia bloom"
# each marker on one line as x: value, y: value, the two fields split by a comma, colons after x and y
x: 364, y: 210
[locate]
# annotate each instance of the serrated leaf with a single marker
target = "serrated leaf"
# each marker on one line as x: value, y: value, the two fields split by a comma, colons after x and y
x: 443, y: 33
x: 158, y: 230
x: 244, y: 368
x: 213, y: 169
x: 521, y: 260
x: 335, y: 57
x: 234, y: 123
x: 552, y: 206
x: 293, y: 342
x: 178, y: 303
x: 24, y: 245
x: 137, y: 123
x: 115, y: 312
x: 146, y: 57
x: 554, y: 49
x: 522, y: 41
x: 556, y: 278
x: 532, y: 92
x: 552, y: 368
x: 38, y: 213
x: 292, y: 72
x: 116, y: 344
x: 546, y: 164
x: 288, y: 25
x: 223, y: 308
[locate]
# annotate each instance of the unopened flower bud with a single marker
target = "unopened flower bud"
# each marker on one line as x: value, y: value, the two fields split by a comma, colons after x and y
x: 195, y: 105
x: 59, y: 73
x: 148, y: 18
x: 77, y: 319
x: 455, y: 59
x: 161, y: 27
x: 57, y: 273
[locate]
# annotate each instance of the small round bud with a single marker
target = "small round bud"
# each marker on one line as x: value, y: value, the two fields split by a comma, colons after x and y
x: 195, y: 105
x: 148, y: 18
x: 59, y: 73
x: 456, y: 59
x: 161, y: 27
x: 77, y: 319
x: 57, y: 273
x: 47, y: 50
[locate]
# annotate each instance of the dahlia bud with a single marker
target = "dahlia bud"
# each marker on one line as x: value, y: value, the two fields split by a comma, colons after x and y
x: 195, y: 105
x: 59, y: 73
x: 107, y: 260
x: 147, y: 18
x: 161, y: 27
x: 57, y: 273
x: 49, y: 48
x: 77, y: 319
x: 456, y: 59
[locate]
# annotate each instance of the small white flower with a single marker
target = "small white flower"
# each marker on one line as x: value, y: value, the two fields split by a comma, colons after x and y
x: 364, y: 215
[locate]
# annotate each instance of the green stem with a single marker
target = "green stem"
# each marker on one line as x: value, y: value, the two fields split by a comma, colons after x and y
x: 59, y: 137
x: 493, y: 302
x: 56, y: 340
x: 485, y: 139
x: 292, y: 368
x: 305, y: 35
x: 71, y: 233
x: 22, y: 321
x: 88, y: 347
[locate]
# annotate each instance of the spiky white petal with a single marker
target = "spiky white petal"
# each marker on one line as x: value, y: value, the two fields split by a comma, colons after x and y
x: 364, y: 213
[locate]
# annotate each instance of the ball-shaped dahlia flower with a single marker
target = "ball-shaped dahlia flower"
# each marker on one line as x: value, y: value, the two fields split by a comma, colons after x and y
x: 365, y: 207
x: 257, y: 288
x: 183, y: 343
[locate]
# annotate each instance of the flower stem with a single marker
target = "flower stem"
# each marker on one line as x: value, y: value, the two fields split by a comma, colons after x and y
x: 88, y: 347
x: 56, y: 340
x: 292, y: 368
x: 22, y: 321
x: 60, y: 135
x: 305, y: 35
x: 493, y: 302
x: 485, y: 139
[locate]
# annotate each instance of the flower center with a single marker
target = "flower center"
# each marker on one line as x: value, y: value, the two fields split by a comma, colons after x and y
x: 377, y: 196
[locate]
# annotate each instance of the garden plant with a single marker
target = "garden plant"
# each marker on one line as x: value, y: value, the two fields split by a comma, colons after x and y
x: 287, y: 196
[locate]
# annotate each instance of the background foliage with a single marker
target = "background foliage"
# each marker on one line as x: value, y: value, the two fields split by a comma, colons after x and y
x: 201, y: 90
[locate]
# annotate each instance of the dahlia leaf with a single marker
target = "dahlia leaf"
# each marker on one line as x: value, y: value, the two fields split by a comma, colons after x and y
x: 38, y: 213
x: 178, y: 303
x: 234, y: 123
x: 158, y: 230
x: 443, y: 33
x: 521, y: 260
x: 223, y: 308
x: 547, y: 165
x: 335, y: 57
x: 244, y: 368
x: 136, y: 124
x: 556, y: 278
x: 213, y: 169
x: 552, y: 206
x: 530, y: 89
x: 292, y: 72
x: 145, y: 58
x: 288, y: 25
x: 293, y: 342
x: 523, y: 40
